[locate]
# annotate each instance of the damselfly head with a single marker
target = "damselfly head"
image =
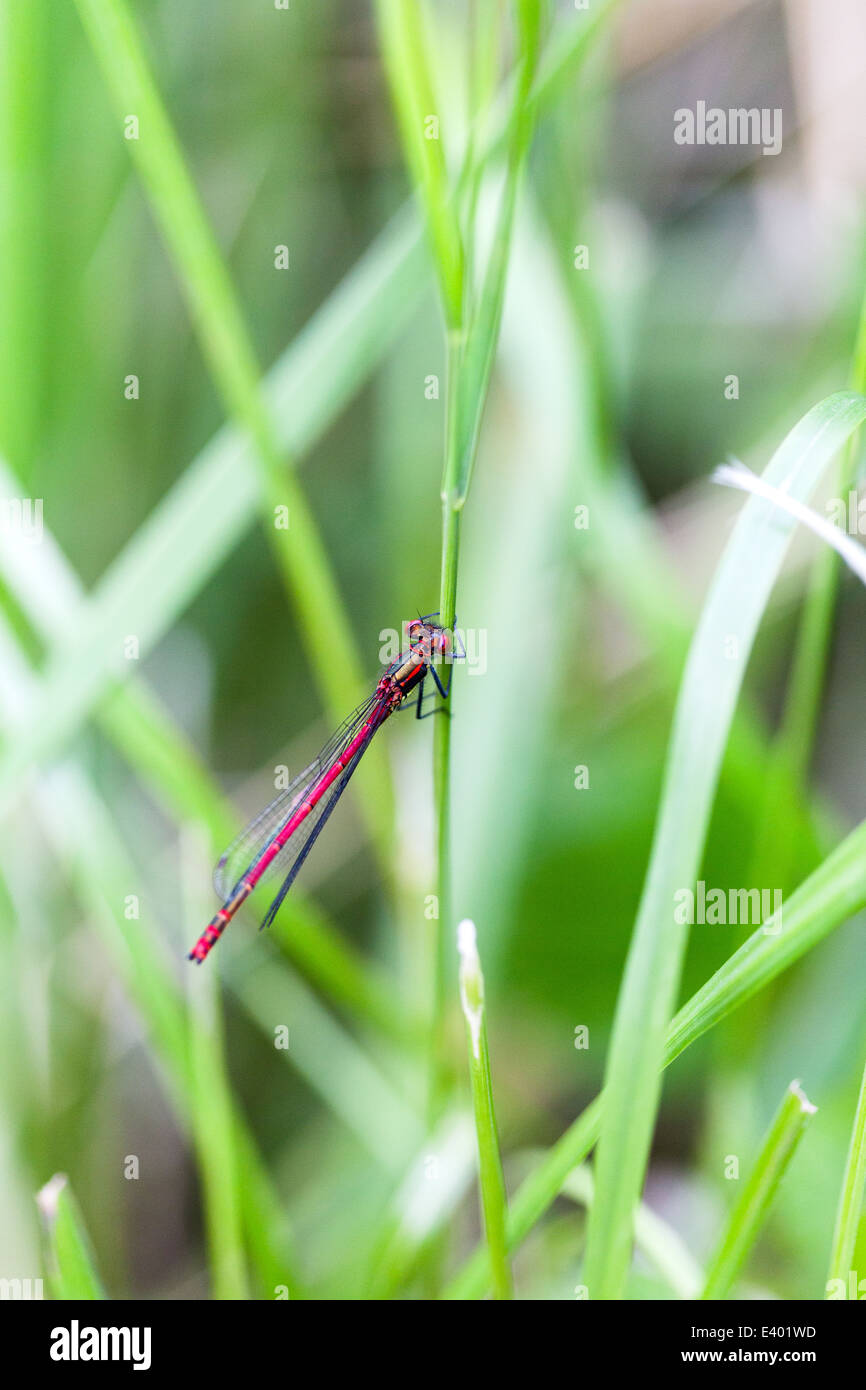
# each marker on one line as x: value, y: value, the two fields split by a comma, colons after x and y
x: 422, y: 631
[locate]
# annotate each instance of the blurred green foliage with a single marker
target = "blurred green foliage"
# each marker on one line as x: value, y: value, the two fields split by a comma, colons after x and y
x: 608, y: 391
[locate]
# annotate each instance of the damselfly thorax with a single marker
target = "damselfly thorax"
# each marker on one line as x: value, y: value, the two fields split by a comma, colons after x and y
x: 408, y: 671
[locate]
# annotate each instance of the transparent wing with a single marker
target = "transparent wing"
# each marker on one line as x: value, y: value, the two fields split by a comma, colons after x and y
x: 243, y: 851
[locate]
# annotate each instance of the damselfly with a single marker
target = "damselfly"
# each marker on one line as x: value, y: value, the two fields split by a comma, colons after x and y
x: 282, y: 835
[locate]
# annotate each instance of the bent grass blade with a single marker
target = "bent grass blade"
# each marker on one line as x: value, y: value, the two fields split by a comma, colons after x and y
x: 705, y: 708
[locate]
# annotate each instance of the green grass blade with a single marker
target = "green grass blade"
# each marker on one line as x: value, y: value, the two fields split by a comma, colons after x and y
x: 659, y: 1242
x: 476, y: 363
x: 73, y: 1273
x: 568, y: 48
x: 330, y: 963
x: 705, y: 709
x: 850, y: 1196
x: 800, y: 715
x: 329, y: 1059
x: 87, y: 841
x: 469, y: 371
x: 833, y: 894
x: 830, y: 896
x: 490, y: 1176
x: 625, y: 552
x: 533, y: 1198
x: 214, y: 502
x: 223, y: 335
x: 273, y: 1264
x: 751, y: 1207
x: 404, y: 50
x: 420, y: 1208
x: 214, y: 1131
x: 145, y: 733
x: 24, y: 235
x: 205, y: 514
x: 485, y: 45
x: 212, y: 1112
x: 326, y: 1055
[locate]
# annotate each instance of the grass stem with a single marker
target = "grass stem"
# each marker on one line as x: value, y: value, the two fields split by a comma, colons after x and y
x: 490, y: 1176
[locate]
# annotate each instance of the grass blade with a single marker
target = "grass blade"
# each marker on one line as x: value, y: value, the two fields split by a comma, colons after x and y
x: 73, y: 1268
x: 327, y: 1056
x: 212, y: 505
x: 401, y: 27
x: 568, y: 47
x: 491, y: 1180
x: 76, y: 811
x: 800, y: 714
x: 660, y: 1243
x: 211, y: 1112
x: 24, y: 222
x: 469, y: 371
x: 420, y: 1208
x: 226, y: 344
x: 750, y: 1209
x: 87, y: 841
x: 736, y: 475
x: 208, y: 510
x: 833, y: 894
x: 705, y: 709
x: 476, y: 362
x: 850, y: 1196
x: 145, y: 733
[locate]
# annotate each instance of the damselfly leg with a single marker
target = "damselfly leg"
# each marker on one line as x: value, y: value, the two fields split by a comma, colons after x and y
x: 439, y: 706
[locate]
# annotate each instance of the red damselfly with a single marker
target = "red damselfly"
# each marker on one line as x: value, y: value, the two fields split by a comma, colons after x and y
x: 282, y: 835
